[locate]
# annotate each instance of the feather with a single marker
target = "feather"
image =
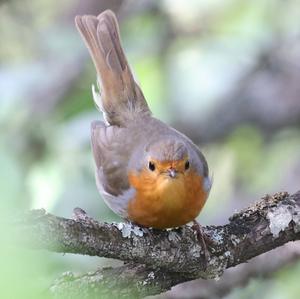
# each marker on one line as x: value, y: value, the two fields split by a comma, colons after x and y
x: 121, y: 98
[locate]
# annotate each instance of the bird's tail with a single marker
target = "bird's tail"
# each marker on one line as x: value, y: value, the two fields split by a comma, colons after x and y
x: 120, y: 97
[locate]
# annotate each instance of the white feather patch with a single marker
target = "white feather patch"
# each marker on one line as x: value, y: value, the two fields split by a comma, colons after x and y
x: 96, y: 97
x: 98, y: 102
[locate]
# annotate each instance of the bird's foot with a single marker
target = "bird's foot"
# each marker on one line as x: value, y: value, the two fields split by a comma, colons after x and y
x: 203, y: 239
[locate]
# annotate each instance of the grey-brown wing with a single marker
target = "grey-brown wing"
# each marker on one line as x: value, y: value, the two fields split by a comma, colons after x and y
x: 111, y: 158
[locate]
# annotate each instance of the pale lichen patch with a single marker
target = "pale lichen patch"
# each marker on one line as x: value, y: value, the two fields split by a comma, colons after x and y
x: 128, y: 229
x: 296, y: 219
x: 216, y: 267
x: 227, y: 253
x: 280, y: 218
x: 217, y: 236
x: 151, y: 275
x: 195, y: 251
x: 235, y: 240
x: 149, y: 278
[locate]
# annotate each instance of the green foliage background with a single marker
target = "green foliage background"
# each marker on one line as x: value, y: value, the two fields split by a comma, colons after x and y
x: 46, y: 108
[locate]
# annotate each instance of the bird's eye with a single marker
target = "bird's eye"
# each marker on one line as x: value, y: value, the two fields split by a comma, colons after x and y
x: 151, y: 166
x: 187, y: 165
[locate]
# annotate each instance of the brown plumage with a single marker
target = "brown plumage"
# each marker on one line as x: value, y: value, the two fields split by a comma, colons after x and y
x: 120, y: 95
x: 146, y: 171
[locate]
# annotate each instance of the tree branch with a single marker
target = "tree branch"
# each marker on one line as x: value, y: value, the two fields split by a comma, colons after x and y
x: 160, y: 259
x: 262, y: 267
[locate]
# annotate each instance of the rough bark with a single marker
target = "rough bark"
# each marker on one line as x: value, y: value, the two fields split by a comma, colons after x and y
x: 262, y: 267
x: 158, y: 260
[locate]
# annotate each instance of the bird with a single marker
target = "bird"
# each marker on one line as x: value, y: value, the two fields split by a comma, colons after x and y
x: 146, y: 171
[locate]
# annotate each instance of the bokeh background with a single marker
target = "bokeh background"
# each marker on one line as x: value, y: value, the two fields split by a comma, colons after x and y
x: 226, y: 73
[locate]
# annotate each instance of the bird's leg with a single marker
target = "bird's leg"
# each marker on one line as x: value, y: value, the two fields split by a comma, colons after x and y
x: 201, y: 238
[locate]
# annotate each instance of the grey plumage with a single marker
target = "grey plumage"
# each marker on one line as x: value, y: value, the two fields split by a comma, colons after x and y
x: 130, y: 135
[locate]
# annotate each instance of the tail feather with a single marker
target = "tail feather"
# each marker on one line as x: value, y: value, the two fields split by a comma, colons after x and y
x: 121, y: 97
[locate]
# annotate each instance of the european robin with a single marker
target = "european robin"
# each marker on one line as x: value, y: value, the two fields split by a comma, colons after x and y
x: 146, y: 171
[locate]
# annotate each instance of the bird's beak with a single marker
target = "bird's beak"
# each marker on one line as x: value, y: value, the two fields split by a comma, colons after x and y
x: 172, y: 173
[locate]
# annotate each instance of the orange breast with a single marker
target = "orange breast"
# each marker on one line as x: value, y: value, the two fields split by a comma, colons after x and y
x: 162, y: 202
